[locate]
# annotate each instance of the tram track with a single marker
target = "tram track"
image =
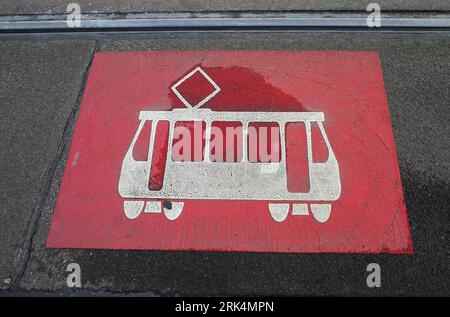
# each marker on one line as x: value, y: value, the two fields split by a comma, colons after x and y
x: 125, y: 22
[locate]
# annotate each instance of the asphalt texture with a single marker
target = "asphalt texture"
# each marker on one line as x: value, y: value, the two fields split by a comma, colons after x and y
x: 39, y: 85
x: 12, y: 7
x: 416, y: 72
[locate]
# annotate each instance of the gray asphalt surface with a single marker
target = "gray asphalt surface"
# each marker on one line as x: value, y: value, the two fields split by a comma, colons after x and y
x: 124, y: 6
x: 38, y: 90
x: 416, y: 71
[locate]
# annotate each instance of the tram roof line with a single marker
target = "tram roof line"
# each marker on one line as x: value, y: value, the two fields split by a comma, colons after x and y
x: 242, y: 116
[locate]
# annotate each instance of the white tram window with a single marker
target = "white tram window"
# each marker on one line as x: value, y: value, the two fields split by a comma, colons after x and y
x: 141, y: 147
x: 188, y: 141
x: 226, y: 141
x: 264, y: 142
x: 319, y: 147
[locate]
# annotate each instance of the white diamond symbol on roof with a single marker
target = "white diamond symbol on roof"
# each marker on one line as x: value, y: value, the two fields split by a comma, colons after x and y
x: 206, y: 99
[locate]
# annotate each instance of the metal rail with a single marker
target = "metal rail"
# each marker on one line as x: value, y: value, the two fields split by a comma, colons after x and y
x: 221, y: 21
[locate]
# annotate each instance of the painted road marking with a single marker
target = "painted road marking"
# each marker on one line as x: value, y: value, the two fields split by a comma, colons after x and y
x: 203, y: 101
x: 277, y: 151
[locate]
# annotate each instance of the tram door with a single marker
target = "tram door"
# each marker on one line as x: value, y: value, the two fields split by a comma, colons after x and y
x: 157, y: 157
x: 297, y: 166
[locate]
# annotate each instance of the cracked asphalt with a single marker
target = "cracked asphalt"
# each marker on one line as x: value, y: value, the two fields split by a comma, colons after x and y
x: 41, y: 85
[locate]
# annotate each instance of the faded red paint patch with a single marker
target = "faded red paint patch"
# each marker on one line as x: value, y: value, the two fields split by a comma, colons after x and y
x: 369, y: 217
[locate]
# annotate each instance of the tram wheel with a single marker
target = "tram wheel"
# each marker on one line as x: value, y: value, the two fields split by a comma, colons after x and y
x: 279, y: 212
x: 172, y: 210
x: 133, y: 208
x: 321, y: 212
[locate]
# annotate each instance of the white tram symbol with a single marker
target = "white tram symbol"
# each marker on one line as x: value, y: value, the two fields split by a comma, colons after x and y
x: 243, y: 180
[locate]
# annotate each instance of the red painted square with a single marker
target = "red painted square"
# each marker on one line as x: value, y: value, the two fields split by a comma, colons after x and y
x: 368, y: 213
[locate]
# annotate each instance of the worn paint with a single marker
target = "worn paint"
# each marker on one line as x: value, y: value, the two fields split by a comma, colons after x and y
x: 359, y: 209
